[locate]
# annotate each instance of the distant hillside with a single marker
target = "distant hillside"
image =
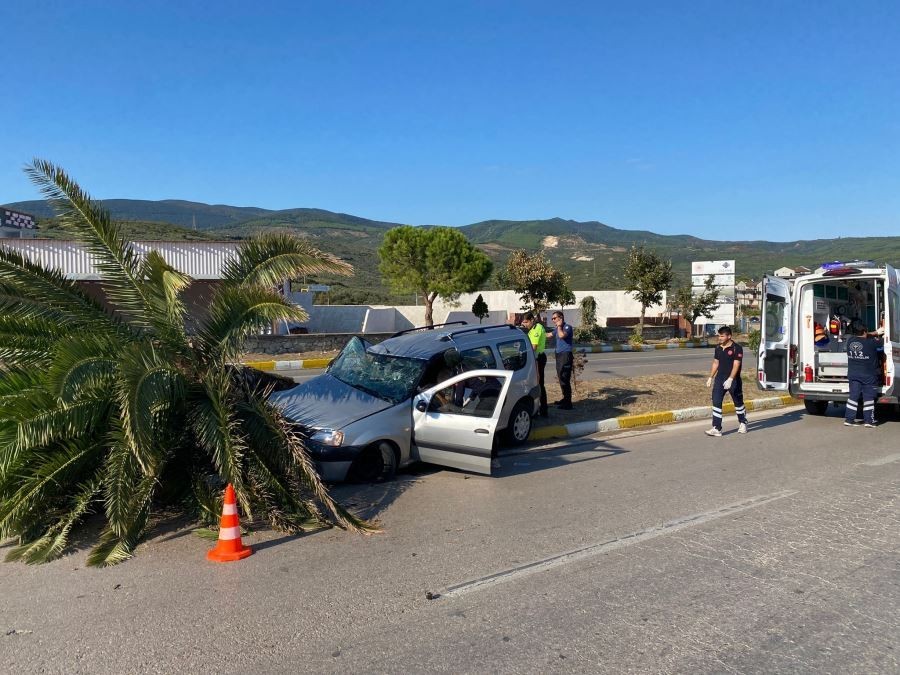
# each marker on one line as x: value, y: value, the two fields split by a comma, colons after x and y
x: 593, y: 253
x: 173, y: 211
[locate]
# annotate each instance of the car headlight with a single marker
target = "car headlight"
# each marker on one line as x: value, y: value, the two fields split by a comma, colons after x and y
x: 328, y: 437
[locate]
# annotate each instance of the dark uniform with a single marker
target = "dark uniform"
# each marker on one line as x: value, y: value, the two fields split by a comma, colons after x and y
x: 863, y: 362
x: 727, y: 356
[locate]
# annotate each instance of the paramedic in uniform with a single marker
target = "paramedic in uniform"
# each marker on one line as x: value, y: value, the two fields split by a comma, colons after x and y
x: 725, y: 376
x: 863, y: 363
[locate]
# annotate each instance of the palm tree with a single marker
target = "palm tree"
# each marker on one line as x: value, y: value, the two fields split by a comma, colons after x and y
x: 121, y: 412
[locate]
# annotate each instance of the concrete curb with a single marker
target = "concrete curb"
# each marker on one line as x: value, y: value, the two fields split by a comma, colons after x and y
x: 647, y: 419
x: 288, y: 365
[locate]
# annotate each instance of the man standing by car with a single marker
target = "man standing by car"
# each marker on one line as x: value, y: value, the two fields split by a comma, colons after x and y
x: 863, y: 364
x: 564, y: 359
x: 725, y: 376
x: 537, y: 335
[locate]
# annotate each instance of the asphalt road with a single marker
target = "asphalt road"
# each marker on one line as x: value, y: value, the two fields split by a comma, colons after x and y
x: 655, y: 551
x: 610, y: 364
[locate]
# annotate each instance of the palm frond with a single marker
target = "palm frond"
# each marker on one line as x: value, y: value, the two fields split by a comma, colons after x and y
x: 91, y: 225
x: 150, y: 394
x: 164, y: 285
x: 54, y: 541
x: 40, y: 478
x: 48, y: 293
x: 122, y: 473
x: 81, y: 363
x: 114, y: 547
x: 217, y: 432
x: 236, y: 312
x: 272, y: 258
x: 293, y: 445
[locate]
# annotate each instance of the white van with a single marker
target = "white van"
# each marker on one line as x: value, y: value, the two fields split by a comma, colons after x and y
x: 805, y: 328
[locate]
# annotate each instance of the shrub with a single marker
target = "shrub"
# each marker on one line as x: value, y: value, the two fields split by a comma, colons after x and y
x: 593, y: 333
x: 635, y: 339
x: 753, y: 340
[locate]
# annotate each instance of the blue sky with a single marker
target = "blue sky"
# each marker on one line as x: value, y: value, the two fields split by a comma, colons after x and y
x: 763, y: 120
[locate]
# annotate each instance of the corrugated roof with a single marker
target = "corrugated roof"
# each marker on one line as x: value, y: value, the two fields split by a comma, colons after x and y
x: 198, y: 259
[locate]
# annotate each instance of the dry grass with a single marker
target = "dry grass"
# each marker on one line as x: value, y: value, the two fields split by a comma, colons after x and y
x: 605, y: 399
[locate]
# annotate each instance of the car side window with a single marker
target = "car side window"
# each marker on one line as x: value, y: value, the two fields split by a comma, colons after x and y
x: 474, y: 397
x: 514, y: 354
x: 479, y: 358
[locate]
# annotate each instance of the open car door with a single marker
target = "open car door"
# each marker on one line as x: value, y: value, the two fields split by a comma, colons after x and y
x: 775, y: 334
x: 454, y: 422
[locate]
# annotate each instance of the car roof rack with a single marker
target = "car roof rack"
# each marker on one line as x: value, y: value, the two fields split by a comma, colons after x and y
x: 437, y: 325
x: 476, y: 329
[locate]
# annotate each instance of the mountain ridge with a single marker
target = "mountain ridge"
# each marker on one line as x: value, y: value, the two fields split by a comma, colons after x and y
x: 592, y: 252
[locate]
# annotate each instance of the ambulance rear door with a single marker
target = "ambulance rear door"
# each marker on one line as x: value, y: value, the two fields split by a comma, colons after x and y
x: 775, y: 335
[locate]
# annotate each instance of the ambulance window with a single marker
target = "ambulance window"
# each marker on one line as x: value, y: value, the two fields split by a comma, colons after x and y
x: 894, y: 300
x: 774, y: 317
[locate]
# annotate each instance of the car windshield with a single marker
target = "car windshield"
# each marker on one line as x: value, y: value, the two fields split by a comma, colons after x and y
x: 390, y: 378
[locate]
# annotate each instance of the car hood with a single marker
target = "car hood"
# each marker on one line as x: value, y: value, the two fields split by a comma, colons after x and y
x: 325, y: 402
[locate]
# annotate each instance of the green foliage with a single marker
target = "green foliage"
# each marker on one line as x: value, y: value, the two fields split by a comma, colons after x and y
x: 753, y: 340
x: 538, y: 283
x: 588, y: 311
x: 592, y: 333
x: 480, y: 308
x: 121, y: 413
x: 436, y: 262
x: 693, y: 306
x: 646, y: 277
x: 636, y: 339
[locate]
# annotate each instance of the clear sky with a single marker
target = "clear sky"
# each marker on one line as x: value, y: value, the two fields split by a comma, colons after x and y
x: 725, y: 120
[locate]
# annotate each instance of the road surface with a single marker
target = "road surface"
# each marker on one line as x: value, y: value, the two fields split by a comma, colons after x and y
x: 662, y: 550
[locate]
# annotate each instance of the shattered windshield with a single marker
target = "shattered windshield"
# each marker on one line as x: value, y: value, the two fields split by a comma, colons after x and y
x: 390, y: 378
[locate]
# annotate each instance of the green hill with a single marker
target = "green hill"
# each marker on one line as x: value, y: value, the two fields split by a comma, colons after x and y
x: 591, y: 252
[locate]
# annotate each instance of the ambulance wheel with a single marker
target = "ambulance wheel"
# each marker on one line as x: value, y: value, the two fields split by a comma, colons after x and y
x: 816, y: 407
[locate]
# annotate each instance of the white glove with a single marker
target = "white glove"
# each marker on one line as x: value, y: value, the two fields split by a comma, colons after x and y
x: 727, y: 383
x: 708, y: 382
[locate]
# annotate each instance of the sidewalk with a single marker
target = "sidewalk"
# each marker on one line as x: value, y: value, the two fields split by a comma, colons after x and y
x: 648, y: 419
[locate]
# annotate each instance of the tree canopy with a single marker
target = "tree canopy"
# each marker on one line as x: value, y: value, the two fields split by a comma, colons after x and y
x: 435, y: 262
x: 646, y: 277
x: 480, y: 308
x: 117, y: 410
x: 538, y: 283
x: 692, y: 306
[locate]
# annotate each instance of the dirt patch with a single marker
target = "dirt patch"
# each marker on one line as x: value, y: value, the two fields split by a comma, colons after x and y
x: 605, y: 399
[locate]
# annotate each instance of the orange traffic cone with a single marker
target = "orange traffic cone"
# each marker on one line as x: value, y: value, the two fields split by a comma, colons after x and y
x: 229, y: 547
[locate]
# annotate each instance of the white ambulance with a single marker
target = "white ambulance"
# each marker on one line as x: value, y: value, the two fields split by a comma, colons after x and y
x: 806, y: 325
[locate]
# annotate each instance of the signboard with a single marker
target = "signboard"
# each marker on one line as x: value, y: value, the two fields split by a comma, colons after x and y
x: 706, y: 267
x: 17, y: 219
x: 723, y: 281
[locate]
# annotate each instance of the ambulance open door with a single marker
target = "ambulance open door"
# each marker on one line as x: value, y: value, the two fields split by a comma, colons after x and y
x: 775, y: 335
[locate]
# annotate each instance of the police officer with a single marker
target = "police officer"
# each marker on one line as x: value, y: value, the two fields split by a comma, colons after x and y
x: 564, y: 359
x: 537, y: 335
x: 725, y: 376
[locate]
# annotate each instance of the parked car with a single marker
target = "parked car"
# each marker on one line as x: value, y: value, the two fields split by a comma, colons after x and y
x: 437, y: 395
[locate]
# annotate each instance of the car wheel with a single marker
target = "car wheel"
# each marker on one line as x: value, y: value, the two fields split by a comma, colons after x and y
x: 376, y: 463
x: 816, y: 407
x: 519, y: 428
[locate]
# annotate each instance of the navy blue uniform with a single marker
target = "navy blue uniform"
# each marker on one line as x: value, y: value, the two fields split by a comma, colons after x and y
x: 727, y: 357
x: 863, y: 363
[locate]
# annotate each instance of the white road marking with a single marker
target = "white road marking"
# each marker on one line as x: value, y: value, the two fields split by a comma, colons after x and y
x: 613, y: 544
x: 883, y: 460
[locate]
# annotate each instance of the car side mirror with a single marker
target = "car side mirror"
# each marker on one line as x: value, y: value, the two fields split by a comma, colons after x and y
x: 421, y: 406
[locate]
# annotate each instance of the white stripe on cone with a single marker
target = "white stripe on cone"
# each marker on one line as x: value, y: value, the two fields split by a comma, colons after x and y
x: 229, y: 509
x: 229, y: 533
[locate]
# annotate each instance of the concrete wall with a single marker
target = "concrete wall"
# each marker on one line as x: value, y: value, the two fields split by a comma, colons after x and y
x: 300, y: 344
